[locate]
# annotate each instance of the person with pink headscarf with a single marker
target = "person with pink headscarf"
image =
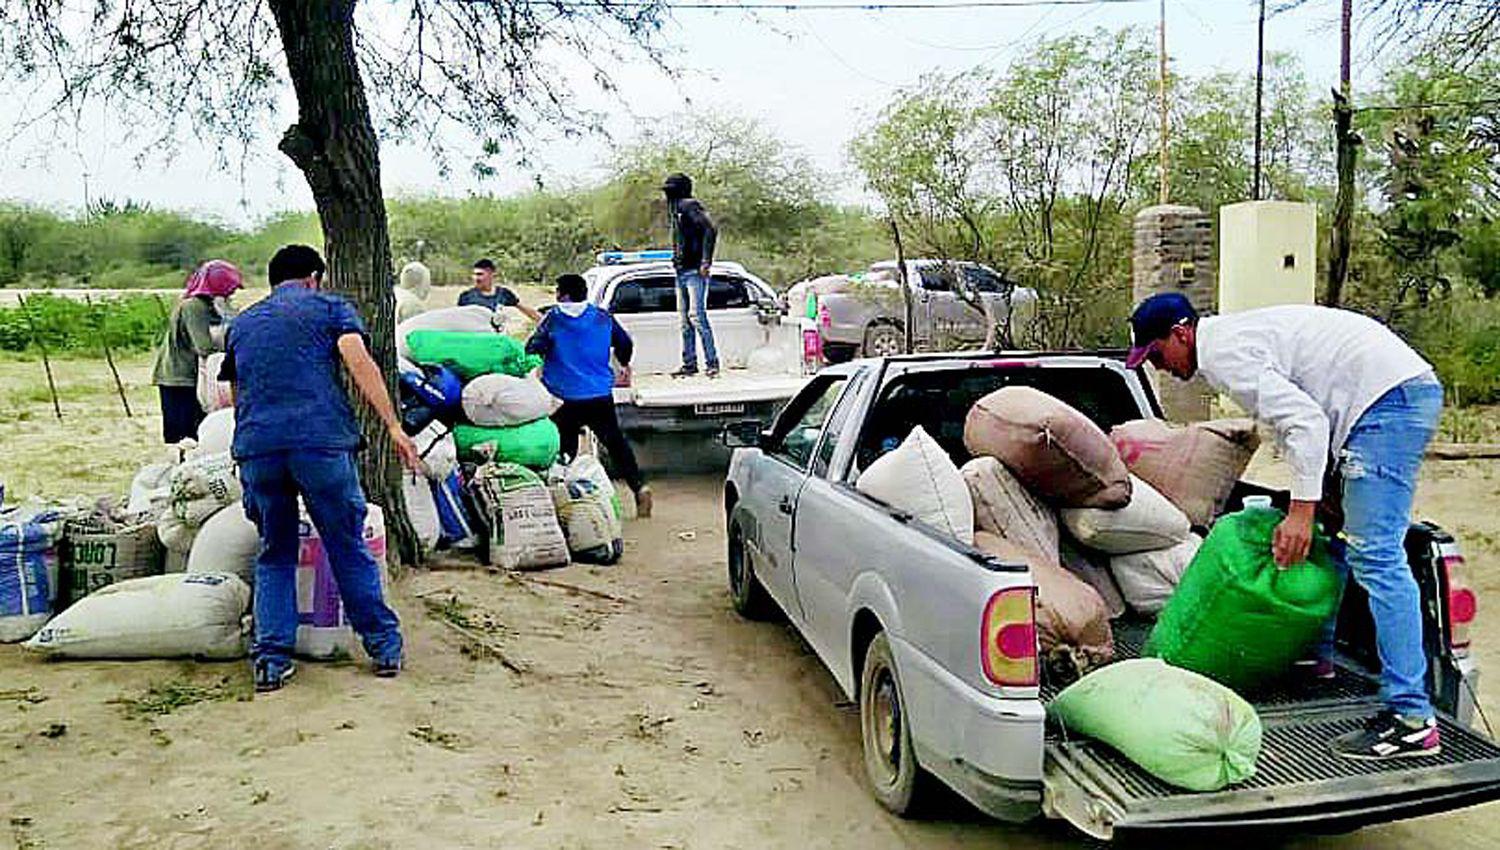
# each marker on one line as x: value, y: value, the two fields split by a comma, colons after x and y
x: 194, y: 331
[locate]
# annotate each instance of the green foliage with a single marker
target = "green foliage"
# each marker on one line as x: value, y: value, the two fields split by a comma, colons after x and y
x: 132, y: 323
x: 126, y: 246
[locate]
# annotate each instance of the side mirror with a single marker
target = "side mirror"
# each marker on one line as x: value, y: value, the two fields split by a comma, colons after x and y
x: 744, y: 434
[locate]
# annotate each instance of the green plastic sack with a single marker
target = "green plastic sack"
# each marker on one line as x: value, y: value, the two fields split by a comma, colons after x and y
x: 1185, y: 729
x: 533, y: 444
x: 1236, y: 617
x: 471, y: 353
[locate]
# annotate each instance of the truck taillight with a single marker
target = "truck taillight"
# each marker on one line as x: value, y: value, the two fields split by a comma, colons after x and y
x: 1008, y: 635
x: 825, y: 319
x: 1463, y: 604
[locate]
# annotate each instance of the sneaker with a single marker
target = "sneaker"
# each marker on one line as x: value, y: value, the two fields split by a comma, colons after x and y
x: 643, y: 502
x: 388, y: 668
x: 685, y: 372
x: 712, y: 371
x: 1388, y: 735
x: 272, y: 675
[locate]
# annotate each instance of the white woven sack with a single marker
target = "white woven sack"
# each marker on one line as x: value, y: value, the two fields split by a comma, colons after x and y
x: 422, y: 509
x: 1147, y: 523
x: 150, y: 489
x: 500, y: 401
x: 213, y: 394
x: 439, y: 451
x: 1148, y: 579
x: 471, y: 318
x: 227, y: 543
x: 202, y: 486
x: 919, y: 478
x: 215, y: 433
x: 183, y: 615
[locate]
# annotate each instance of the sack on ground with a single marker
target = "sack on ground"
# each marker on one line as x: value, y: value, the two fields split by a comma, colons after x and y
x: 1058, y: 453
x: 503, y: 400
x: 1148, y: 579
x: 1072, y: 623
x: 202, y: 486
x: 99, y: 550
x: 215, y: 433
x: 472, y: 319
x: 471, y: 354
x: 1238, y: 618
x: 534, y: 444
x: 213, y: 394
x: 416, y: 490
x: 227, y: 543
x: 1003, y: 506
x: 323, y: 631
x: 184, y: 615
x: 28, y: 570
x: 1093, y: 569
x: 176, y: 535
x: 1180, y: 727
x: 524, y: 533
x: 1195, y: 466
x: 151, y: 489
x: 919, y: 478
x: 1148, y: 522
x: 456, y: 526
x: 587, y: 510
x: 439, y: 451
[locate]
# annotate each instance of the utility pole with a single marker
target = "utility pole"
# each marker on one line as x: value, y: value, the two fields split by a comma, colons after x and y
x: 1347, y: 151
x: 1161, y: 49
x: 1260, y: 87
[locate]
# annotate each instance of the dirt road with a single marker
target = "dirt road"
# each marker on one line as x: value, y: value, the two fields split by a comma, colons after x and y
x: 649, y: 716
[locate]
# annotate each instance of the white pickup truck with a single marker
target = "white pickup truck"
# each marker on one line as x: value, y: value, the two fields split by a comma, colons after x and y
x: 908, y: 621
x: 760, y: 351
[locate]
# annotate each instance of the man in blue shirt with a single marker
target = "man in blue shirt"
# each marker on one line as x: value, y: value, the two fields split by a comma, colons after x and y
x: 574, y: 341
x: 487, y: 293
x: 295, y: 434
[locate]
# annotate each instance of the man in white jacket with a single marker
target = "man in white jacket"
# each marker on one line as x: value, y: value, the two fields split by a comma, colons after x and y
x: 1333, y: 384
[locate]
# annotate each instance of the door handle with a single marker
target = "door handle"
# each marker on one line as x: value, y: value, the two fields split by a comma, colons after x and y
x: 786, y: 505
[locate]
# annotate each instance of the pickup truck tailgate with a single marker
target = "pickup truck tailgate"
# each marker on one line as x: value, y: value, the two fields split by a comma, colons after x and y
x: 1298, y: 783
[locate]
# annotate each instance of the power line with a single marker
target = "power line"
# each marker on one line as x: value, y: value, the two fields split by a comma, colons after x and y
x: 761, y: 5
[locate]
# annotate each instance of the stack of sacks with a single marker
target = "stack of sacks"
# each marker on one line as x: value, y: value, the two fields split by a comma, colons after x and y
x: 521, y: 518
x: 1033, y: 453
x: 28, y: 569
x: 504, y: 407
x: 201, y: 486
x: 1186, y: 474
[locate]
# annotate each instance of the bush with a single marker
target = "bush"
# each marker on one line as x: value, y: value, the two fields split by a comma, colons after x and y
x: 130, y: 323
x: 1460, y: 336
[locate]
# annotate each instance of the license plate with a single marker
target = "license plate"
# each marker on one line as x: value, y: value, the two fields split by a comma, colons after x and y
x: 718, y: 409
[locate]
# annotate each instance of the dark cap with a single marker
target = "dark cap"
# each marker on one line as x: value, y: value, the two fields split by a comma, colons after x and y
x: 1153, y: 320
x: 678, y: 186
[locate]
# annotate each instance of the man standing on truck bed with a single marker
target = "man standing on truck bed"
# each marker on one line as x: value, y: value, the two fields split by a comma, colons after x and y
x: 693, y: 239
x: 1331, y: 382
x: 574, y: 341
x: 295, y: 435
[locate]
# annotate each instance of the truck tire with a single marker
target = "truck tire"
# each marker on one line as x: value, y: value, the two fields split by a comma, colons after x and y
x: 839, y: 352
x: 884, y: 341
x: 746, y: 593
x: 898, y: 781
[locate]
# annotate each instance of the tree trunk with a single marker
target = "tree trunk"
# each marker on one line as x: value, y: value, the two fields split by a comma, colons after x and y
x: 333, y: 143
x: 1343, y: 206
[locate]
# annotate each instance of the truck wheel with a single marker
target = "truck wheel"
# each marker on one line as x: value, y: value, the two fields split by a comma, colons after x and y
x: 884, y: 341
x: 900, y: 784
x: 746, y: 593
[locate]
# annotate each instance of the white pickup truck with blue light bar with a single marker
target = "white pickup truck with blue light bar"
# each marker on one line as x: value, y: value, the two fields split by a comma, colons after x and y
x: 936, y: 641
x: 760, y: 350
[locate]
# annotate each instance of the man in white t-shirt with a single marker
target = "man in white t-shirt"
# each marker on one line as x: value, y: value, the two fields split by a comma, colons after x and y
x: 1333, y: 383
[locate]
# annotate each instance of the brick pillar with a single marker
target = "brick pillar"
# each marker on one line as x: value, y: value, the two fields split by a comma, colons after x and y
x: 1174, y: 252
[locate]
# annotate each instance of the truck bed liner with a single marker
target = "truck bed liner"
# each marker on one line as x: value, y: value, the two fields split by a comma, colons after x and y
x: 1298, y: 780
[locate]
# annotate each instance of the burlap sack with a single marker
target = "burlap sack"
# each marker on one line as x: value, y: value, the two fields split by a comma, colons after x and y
x: 1070, y: 616
x: 1195, y: 466
x: 1059, y: 454
x: 1003, y: 506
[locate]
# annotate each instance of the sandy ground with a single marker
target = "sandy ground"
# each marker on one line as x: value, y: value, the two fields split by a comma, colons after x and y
x: 648, y: 715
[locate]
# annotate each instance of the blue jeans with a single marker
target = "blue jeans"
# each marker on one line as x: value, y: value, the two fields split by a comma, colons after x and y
x: 1380, y: 464
x: 692, y: 309
x: 328, y: 482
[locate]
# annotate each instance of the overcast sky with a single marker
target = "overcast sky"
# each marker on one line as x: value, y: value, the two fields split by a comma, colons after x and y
x: 812, y: 77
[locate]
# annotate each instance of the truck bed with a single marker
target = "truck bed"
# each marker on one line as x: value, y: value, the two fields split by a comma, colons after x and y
x: 1298, y: 781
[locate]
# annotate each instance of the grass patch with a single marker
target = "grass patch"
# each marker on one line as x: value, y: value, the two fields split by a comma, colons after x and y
x: 167, y: 697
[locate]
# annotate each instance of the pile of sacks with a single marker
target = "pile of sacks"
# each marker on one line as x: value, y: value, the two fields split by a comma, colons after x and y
x: 1104, y: 521
x: 532, y: 522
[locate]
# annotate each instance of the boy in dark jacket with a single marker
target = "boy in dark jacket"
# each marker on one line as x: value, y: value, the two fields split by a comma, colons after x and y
x: 574, y: 341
